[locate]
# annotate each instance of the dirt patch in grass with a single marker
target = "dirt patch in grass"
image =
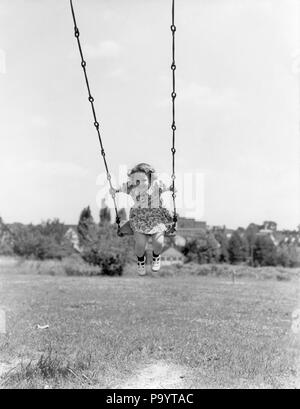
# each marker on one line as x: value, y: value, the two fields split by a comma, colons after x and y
x: 157, y: 375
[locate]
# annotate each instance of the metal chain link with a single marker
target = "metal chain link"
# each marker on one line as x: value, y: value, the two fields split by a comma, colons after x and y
x: 96, y: 123
x: 173, y: 96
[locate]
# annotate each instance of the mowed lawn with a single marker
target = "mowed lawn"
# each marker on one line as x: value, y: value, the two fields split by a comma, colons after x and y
x: 103, y: 329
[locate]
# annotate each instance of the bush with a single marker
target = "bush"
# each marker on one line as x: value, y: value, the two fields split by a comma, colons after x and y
x: 264, y: 252
x: 221, y: 238
x: 6, y: 240
x: 50, y: 267
x: 46, y: 267
x: 110, y: 260
x: 108, y: 251
x: 92, y: 256
x: 203, y: 249
x: 294, y: 256
x: 6, y: 249
x: 44, y: 241
x: 283, y: 258
x: 86, y: 228
x: 112, y: 264
x: 74, y: 266
x: 237, y: 248
x: 71, y: 266
x: 288, y: 256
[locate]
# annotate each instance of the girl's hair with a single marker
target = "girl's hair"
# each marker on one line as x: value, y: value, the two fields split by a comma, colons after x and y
x: 145, y: 168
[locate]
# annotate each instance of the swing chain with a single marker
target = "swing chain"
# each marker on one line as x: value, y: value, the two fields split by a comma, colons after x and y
x: 91, y: 100
x: 173, y: 126
x: 96, y: 123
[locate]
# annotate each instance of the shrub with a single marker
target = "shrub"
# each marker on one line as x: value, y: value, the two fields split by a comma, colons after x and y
x: 44, y: 241
x: 203, y: 249
x: 76, y: 266
x: 6, y: 249
x: 92, y: 256
x: 50, y: 267
x: 283, y: 257
x: 237, y: 248
x: 112, y: 264
x: 71, y: 266
x: 264, y: 252
x: 288, y: 256
x: 221, y: 238
x: 294, y: 256
x: 110, y: 259
x: 105, y: 216
x: 6, y: 239
x: 86, y: 228
x: 108, y: 251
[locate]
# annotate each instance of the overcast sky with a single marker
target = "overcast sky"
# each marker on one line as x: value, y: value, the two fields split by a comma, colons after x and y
x: 237, y: 108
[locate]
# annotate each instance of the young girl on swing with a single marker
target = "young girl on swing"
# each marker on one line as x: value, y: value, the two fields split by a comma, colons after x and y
x: 147, y: 217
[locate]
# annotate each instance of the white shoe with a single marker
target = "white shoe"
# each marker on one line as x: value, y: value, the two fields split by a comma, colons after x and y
x: 156, y: 263
x: 141, y: 267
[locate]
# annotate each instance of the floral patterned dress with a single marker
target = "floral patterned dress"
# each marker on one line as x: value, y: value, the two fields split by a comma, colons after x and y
x: 148, y: 216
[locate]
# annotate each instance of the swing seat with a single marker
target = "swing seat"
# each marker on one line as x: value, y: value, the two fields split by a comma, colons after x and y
x: 171, y: 230
x: 125, y: 229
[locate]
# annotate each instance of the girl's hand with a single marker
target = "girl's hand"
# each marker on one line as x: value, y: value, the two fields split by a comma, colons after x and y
x: 172, y: 190
x: 112, y: 191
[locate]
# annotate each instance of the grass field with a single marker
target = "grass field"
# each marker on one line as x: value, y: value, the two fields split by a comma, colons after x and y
x: 103, y: 331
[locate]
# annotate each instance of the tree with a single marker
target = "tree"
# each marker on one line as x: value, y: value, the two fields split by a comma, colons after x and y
x: 251, y: 234
x: 86, y: 227
x: 264, y: 253
x: 294, y: 256
x: 43, y: 241
x: 105, y: 216
x: 203, y: 249
x: 53, y: 228
x: 221, y: 238
x: 212, y: 248
x: 6, y: 239
x: 283, y: 257
x: 107, y: 251
x: 237, y: 248
x: 288, y: 255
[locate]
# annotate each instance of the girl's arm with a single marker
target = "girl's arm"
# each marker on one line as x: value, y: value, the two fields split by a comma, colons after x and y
x: 164, y: 188
x: 122, y: 189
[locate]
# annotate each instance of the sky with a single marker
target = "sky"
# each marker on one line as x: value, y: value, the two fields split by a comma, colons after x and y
x: 237, y: 106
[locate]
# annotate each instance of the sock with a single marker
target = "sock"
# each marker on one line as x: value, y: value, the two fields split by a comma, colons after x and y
x: 155, y: 255
x: 141, y: 258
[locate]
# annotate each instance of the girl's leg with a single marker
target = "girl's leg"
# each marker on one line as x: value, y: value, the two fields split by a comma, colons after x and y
x: 140, y: 244
x: 158, y: 243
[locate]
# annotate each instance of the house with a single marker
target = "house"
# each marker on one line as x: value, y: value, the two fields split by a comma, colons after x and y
x: 229, y: 233
x: 187, y: 222
x: 171, y: 256
x: 217, y: 229
x: 283, y: 237
x: 189, y: 227
x: 72, y: 236
x: 269, y: 225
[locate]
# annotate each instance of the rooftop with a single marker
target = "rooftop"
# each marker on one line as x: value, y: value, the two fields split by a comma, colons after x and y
x: 171, y: 252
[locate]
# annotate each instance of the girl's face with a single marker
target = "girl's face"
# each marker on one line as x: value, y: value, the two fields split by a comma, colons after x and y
x: 140, y: 179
